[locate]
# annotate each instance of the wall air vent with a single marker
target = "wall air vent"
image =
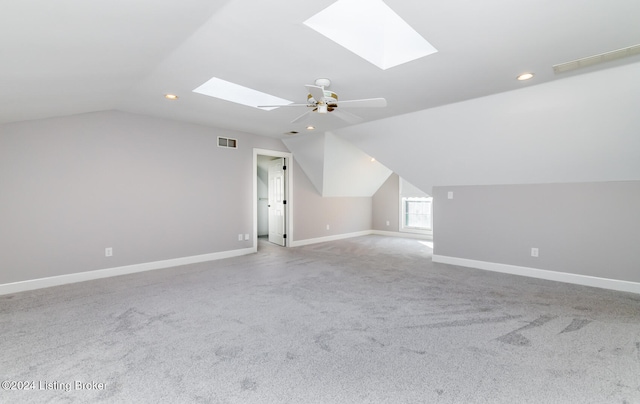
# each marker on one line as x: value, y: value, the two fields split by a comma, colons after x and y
x: 227, y: 143
x: 595, y: 59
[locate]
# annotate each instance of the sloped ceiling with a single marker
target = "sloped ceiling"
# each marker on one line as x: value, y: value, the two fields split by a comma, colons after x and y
x: 348, y: 171
x: 582, y: 129
x: 68, y: 57
x: 336, y: 167
x: 72, y: 56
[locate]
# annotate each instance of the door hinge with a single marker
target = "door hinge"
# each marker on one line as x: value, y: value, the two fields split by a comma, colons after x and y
x: 284, y: 167
x: 284, y: 236
x: 284, y: 202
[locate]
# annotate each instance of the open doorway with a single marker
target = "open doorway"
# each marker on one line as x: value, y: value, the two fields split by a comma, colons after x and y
x: 272, y: 197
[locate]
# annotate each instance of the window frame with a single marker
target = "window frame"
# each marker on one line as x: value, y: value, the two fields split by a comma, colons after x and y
x: 402, y: 197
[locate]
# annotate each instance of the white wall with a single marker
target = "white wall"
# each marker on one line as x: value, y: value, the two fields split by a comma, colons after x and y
x: 313, y: 212
x: 386, y: 205
x: 589, y: 229
x: 151, y: 189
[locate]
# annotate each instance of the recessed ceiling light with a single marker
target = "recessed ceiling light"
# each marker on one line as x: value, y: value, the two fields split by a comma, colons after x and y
x: 525, y: 76
x: 371, y: 30
x: 171, y: 96
x: 228, y: 91
x: 310, y: 127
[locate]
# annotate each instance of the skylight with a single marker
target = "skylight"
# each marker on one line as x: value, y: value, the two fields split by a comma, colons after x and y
x: 371, y: 30
x: 228, y: 91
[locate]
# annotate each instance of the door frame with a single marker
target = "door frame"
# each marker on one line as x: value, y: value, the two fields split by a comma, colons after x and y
x: 288, y: 192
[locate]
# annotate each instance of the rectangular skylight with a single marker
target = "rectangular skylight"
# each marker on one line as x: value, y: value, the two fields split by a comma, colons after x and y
x: 228, y: 91
x: 371, y: 30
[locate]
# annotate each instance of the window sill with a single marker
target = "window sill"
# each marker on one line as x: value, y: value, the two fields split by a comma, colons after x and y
x: 416, y: 231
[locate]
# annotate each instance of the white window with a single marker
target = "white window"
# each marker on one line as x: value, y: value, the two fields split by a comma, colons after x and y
x: 416, y: 213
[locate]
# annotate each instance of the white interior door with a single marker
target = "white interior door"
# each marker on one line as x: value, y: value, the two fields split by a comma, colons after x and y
x: 277, y: 202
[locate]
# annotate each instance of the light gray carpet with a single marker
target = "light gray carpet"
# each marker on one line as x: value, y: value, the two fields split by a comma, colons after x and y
x: 363, y: 320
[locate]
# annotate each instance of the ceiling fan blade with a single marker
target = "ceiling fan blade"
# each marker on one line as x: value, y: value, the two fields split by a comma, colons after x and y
x: 347, y: 116
x: 316, y: 92
x: 366, y: 103
x: 301, y: 117
x: 285, y: 105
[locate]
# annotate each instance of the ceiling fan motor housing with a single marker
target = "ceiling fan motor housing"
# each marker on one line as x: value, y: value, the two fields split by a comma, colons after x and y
x: 329, y: 97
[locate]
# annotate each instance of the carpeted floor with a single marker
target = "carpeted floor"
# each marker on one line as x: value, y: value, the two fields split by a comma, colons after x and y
x: 363, y: 320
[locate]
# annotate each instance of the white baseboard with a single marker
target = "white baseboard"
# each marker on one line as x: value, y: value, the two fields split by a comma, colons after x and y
x: 299, y: 243
x: 585, y: 280
x: 402, y: 234
x: 15, y: 287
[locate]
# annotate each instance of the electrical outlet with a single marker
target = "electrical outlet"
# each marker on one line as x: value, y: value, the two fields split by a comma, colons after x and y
x: 108, y: 252
x: 387, y: 223
x: 534, y: 252
x: 239, y: 237
x: 246, y: 237
x: 327, y: 227
x: 450, y: 195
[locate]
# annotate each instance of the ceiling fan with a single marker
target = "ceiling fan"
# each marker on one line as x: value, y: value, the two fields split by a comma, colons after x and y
x: 324, y: 101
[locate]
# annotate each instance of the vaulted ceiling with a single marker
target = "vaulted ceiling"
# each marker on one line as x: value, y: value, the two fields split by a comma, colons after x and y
x: 73, y: 56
